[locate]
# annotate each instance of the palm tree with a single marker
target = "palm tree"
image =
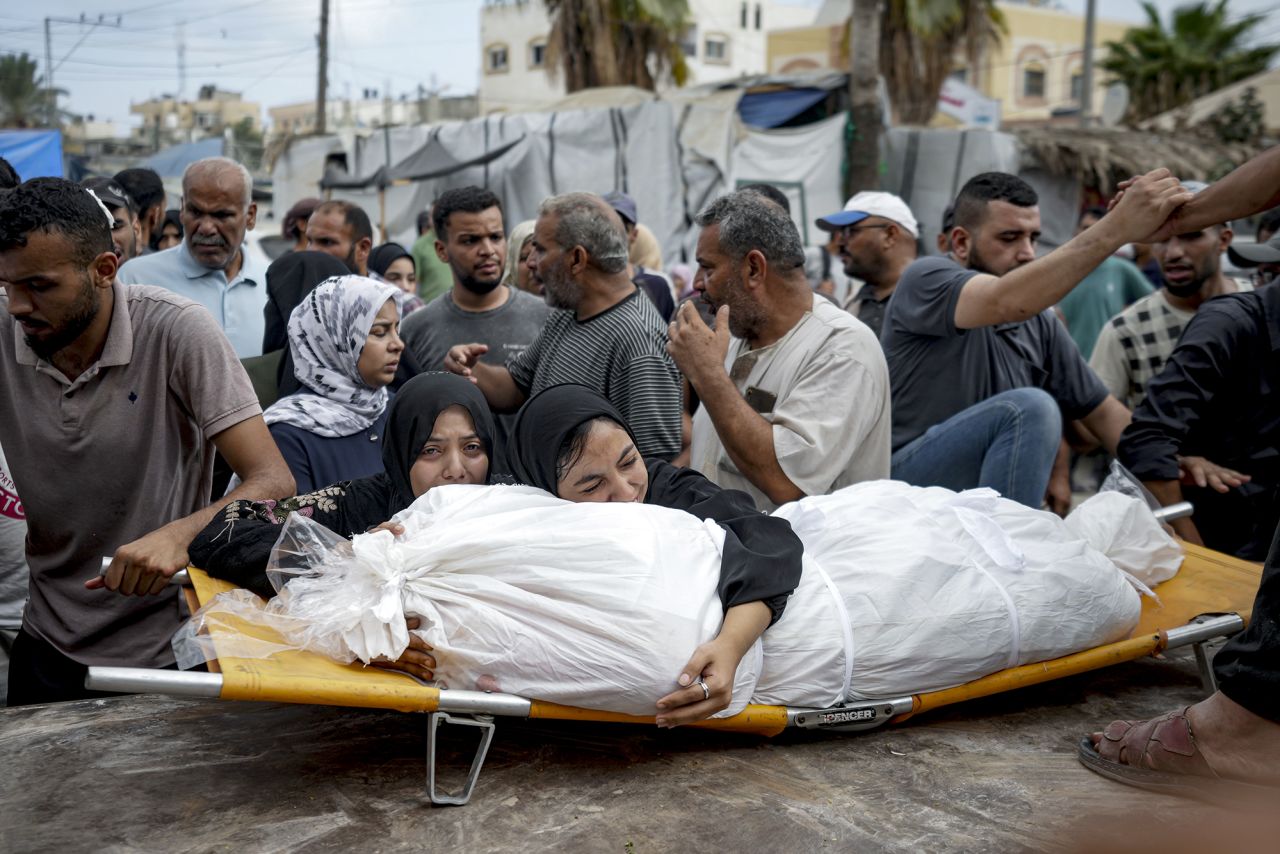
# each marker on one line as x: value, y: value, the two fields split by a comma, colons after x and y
x: 1202, y: 50
x: 617, y: 42
x: 864, y: 97
x: 919, y: 40
x: 24, y: 102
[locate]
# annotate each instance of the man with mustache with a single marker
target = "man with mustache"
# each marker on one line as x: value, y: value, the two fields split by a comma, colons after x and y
x: 794, y: 391
x: 1135, y: 344
x: 471, y: 239
x: 211, y: 266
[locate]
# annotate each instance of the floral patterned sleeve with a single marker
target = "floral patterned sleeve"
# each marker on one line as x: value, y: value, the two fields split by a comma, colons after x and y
x: 237, y: 544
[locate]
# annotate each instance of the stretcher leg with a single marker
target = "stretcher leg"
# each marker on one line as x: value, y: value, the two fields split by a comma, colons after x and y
x: 434, y: 721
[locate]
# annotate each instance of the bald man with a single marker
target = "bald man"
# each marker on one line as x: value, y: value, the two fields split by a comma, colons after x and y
x: 211, y: 266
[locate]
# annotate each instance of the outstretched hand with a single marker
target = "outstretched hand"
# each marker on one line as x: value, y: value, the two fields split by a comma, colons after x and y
x: 1141, y: 213
x: 462, y: 358
x: 1147, y: 206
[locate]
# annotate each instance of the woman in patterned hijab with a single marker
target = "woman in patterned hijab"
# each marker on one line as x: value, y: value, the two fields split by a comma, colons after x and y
x: 344, y: 337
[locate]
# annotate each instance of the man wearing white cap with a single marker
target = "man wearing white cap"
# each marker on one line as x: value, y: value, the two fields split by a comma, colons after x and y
x: 876, y: 234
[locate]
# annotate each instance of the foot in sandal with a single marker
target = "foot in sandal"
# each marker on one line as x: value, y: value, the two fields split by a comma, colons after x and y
x: 1216, y: 749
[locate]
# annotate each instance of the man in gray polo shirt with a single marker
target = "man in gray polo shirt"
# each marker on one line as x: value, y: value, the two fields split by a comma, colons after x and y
x: 981, y: 371
x: 115, y: 398
x: 471, y: 239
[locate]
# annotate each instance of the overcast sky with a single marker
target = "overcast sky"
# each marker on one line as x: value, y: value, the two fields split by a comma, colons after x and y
x: 267, y: 49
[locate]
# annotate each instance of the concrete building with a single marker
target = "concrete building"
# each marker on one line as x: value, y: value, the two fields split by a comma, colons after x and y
x: 1035, y: 73
x: 726, y: 39
x: 167, y: 121
x: 370, y: 112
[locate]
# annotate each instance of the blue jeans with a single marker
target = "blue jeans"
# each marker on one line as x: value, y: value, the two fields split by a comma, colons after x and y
x: 1008, y: 442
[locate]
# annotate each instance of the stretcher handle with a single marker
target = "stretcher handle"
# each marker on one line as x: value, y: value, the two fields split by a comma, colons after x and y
x: 1181, y: 510
x: 180, y: 577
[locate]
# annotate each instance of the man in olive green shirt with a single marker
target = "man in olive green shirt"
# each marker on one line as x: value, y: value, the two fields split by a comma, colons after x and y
x: 434, y: 275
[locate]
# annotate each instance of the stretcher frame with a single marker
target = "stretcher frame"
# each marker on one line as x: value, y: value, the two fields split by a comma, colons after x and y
x: 1210, y: 598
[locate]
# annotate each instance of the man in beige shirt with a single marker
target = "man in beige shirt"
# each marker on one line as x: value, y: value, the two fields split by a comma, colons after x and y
x: 794, y: 392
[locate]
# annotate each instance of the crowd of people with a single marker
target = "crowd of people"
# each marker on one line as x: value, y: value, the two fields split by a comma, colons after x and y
x: 162, y: 384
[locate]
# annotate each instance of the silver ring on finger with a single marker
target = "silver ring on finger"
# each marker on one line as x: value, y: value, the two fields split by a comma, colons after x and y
x: 706, y: 692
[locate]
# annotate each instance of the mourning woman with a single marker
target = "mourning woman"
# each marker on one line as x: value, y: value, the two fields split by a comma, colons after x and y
x: 438, y: 431
x: 346, y: 350
x: 573, y: 443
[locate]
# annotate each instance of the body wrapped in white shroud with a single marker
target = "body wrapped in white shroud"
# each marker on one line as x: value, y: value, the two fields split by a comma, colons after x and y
x: 904, y: 590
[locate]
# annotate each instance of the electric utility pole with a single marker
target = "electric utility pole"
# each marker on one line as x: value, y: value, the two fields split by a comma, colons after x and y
x: 322, y: 74
x: 1086, y: 78
x: 51, y: 99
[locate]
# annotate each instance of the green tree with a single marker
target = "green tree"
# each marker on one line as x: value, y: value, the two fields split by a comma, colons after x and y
x: 24, y: 102
x: 617, y: 42
x: 1202, y: 49
x: 919, y: 43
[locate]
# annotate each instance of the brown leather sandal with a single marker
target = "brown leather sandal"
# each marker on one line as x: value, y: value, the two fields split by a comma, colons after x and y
x: 1160, y: 755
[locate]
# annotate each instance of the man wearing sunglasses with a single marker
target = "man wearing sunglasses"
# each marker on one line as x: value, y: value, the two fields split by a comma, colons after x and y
x: 875, y: 238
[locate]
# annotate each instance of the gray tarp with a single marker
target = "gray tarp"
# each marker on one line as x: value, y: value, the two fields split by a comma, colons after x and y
x: 672, y: 155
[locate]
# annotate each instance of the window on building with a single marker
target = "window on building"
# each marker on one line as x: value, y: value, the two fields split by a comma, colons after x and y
x: 689, y: 41
x: 715, y: 49
x: 1077, y: 86
x: 742, y: 19
x: 960, y: 75
x: 538, y: 54
x: 496, y: 60
x: 1033, y: 80
x: 757, y: 16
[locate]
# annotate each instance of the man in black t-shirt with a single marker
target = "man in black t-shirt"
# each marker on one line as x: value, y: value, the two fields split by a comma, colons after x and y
x: 982, y: 373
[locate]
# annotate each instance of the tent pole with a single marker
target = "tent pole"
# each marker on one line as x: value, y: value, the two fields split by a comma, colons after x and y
x: 382, y: 213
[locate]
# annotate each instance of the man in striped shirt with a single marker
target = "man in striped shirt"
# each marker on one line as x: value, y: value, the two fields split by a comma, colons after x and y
x: 608, y: 337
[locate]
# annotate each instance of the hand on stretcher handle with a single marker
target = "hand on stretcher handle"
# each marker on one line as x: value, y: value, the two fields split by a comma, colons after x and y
x: 180, y: 577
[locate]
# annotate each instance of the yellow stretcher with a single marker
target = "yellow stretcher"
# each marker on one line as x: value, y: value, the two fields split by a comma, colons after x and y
x: 1211, y: 597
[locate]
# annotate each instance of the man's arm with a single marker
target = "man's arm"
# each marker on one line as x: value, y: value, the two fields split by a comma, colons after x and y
x: 1107, y: 421
x: 145, y: 565
x: 987, y: 300
x: 746, y: 436
x: 1249, y: 189
x: 495, y: 381
x: 1178, y: 398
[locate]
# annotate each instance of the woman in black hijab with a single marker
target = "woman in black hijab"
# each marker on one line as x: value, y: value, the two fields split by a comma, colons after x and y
x: 289, y: 279
x: 392, y: 263
x: 439, y: 431
x: 574, y: 443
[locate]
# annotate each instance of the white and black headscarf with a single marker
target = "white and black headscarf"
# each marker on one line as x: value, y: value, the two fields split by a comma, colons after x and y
x: 327, y: 331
